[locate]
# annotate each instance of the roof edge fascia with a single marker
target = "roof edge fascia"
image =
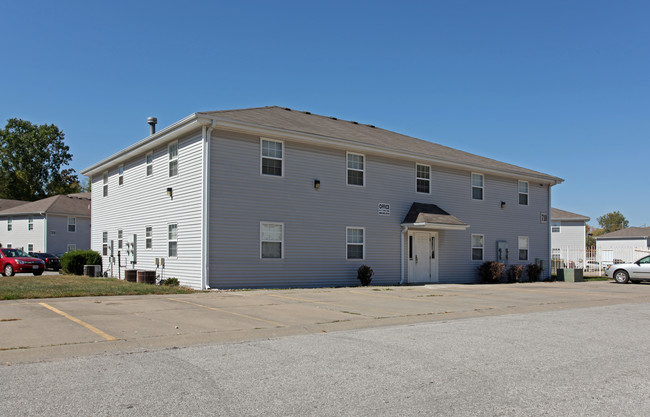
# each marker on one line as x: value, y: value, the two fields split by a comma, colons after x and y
x: 249, y: 128
x: 436, y: 226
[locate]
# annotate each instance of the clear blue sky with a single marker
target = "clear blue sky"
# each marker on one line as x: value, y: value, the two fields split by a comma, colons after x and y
x: 562, y: 87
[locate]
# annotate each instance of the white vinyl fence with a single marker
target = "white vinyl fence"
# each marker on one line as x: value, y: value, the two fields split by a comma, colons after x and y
x: 592, y: 260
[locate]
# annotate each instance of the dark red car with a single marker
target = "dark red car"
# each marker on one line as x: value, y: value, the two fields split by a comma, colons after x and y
x: 13, y: 261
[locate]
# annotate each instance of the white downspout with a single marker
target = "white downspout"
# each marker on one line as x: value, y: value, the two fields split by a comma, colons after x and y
x: 45, y: 249
x: 205, y: 204
x: 401, y: 262
x: 548, y: 232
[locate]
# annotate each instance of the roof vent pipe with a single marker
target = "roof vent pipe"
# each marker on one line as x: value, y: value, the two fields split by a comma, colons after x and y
x: 152, y: 124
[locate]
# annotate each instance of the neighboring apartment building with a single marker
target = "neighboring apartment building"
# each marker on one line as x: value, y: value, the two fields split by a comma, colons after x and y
x: 55, y: 224
x: 273, y: 197
x: 568, y: 239
x: 625, y: 245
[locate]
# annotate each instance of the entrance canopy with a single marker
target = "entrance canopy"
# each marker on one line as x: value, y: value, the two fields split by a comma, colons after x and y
x: 431, y: 217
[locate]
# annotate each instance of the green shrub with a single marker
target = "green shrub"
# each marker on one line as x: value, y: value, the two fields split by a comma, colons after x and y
x: 514, y: 272
x: 364, y: 274
x: 534, y: 271
x: 172, y: 282
x: 490, y: 271
x: 73, y: 262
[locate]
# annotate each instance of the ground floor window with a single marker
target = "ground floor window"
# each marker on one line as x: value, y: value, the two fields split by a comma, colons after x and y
x: 172, y: 240
x: 477, y: 247
x: 523, y: 248
x: 119, y: 239
x: 30, y: 247
x: 355, y: 242
x: 148, y: 239
x: 105, y: 243
x: 271, y: 240
x: 72, y: 247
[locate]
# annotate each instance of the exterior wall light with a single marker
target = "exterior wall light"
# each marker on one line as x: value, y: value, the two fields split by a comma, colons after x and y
x: 170, y: 192
x: 316, y: 184
x: 503, y: 204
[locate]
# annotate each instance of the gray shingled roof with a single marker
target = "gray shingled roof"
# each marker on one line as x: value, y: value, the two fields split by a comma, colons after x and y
x: 305, y: 122
x: 58, y: 204
x: 7, y: 204
x: 430, y: 213
x: 557, y: 214
x: 630, y: 232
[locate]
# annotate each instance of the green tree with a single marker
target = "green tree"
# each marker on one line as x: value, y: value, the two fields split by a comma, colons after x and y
x: 32, y: 161
x: 592, y: 232
x: 613, y: 221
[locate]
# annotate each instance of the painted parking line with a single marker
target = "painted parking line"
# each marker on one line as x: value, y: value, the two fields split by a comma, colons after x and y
x: 83, y: 323
x: 275, y: 323
x: 397, y: 296
x: 334, y: 304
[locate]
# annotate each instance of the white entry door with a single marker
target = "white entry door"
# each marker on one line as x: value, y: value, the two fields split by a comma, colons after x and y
x: 424, y: 257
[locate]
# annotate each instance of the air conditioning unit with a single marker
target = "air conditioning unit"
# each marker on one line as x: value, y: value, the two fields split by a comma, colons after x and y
x: 92, y: 270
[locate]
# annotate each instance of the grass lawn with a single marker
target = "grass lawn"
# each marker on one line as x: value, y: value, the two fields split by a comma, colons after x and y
x: 51, y: 286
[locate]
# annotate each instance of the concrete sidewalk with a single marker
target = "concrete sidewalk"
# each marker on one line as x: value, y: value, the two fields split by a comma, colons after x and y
x: 47, y: 329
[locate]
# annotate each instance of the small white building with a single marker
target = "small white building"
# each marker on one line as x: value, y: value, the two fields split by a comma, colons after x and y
x: 625, y: 245
x: 568, y: 239
x: 55, y: 224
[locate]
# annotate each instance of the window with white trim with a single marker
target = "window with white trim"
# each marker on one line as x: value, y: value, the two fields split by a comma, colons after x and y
x: 9, y: 246
x: 30, y: 247
x: 271, y: 240
x: 555, y: 227
x: 477, y: 186
x: 71, y: 247
x: 272, y: 157
x: 148, y: 237
x: 172, y: 240
x: 105, y: 243
x: 120, y: 175
x: 523, y: 193
x: 523, y: 248
x: 149, y: 163
x: 355, y: 168
x: 422, y: 178
x: 105, y: 182
x: 72, y: 224
x: 120, y: 236
x: 10, y: 224
x: 172, y: 151
x: 477, y: 247
x: 30, y: 223
x: 355, y: 242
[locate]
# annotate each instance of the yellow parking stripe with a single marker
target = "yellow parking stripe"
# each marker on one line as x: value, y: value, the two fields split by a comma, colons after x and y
x: 230, y: 312
x: 83, y: 323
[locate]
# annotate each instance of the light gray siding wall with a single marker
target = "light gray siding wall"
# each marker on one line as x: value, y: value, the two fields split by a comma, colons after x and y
x: 315, y: 220
x: 20, y: 236
x: 143, y: 201
x: 572, y: 234
x: 58, y: 236
x: 622, y: 243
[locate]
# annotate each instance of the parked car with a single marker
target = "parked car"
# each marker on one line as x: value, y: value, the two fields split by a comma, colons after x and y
x: 636, y: 272
x: 13, y: 261
x: 51, y: 261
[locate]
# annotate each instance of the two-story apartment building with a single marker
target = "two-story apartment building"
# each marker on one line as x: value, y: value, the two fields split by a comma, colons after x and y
x: 273, y: 197
x: 55, y: 224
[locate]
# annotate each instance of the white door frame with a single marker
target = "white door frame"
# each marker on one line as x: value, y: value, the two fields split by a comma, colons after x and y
x: 414, y: 254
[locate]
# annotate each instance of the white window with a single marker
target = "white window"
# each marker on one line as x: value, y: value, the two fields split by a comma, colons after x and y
x: 523, y: 193
x: 477, y: 186
x: 356, y: 168
x: 555, y: 227
x: 271, y: 157
x: 523, y: 248
x: 105, y: 182
x: 477, y: 247
x: 423, y: 178
x: 72, y: 224
x: 30, y: 223
x: 148, y: 237
x: 172, y: 240
x: 149, y: 164
x: 173, y: 159
x: 120, y: 175
x: 355, y: 242
x: 9, y: 246
x: 271, y: 240
x: 105, y: 243
x: 30, y: 247
x: 71, y: 247
x: 10, y: 225
x: 120, y: 236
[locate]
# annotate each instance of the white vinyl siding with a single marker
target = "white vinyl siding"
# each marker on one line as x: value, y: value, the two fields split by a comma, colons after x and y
x: 172, y: 152
x: 355, y: 242
x: 356, y: 169
x: 271, y: 240
x: 478, y: 244
x: 523, y: 193
x: 271, y: 157
x: 477, y: 186
x: 423, y: 178
x: 523, y: 248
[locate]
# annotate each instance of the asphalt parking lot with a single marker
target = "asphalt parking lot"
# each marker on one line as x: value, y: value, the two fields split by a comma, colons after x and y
x: 45, y: 329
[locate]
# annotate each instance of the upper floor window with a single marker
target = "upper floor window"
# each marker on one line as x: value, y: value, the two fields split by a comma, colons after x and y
x: 555, y: 227
x: 105, y: 182
x: 356, y: 168
x: 172, y: 240
x: 355, y: 242
x: 120, y: 238
x: 272, y: 157
x: 30, y: 223
x: 477, y: 186
x: 173, y: 159
x: 271, y: 240
x: 423, y: 178
x: 120, y: 175
x: 477, y: 247
x: 72, y: 224
x: 148, y: 237
x: 149, y: 164
x: 10, y: 225
x: 523, y: 193
x: 523, y: 248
